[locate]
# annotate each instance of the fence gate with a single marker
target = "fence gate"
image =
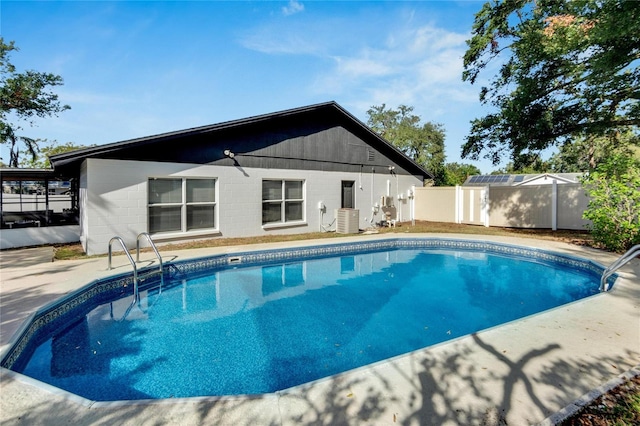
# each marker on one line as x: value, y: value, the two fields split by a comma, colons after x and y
x: 473, y: 205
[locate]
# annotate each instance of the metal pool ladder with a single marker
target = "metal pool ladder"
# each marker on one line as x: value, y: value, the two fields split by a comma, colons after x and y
x: 622, y: 260
x: 136, y: 294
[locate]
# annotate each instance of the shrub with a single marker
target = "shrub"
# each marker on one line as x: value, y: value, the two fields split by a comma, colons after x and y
x: 614, y: 207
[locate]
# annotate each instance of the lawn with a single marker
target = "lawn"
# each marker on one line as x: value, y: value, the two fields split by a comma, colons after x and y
x: 75, y: 251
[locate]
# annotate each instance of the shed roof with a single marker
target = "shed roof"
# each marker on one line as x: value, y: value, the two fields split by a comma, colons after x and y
x: 519, y: 179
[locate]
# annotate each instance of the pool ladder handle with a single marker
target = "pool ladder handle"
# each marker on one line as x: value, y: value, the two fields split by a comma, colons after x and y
x: 155, y: 249
x: 622, y: 260
x: 136, y: 296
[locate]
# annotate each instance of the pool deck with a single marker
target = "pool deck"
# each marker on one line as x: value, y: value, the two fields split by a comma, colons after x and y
x: 529, y: 371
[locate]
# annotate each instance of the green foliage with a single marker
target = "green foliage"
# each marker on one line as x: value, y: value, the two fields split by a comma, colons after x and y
x: 424, y: 143
x: 529, y: 163
x: 457, y: 174
x: 614, y: 206
x: 41, y: 160
x: 585, y: 154
x: 567, y: 69
x: 25, y: 96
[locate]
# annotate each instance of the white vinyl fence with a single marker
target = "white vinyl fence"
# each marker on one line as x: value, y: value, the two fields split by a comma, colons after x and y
x: 554, y: 206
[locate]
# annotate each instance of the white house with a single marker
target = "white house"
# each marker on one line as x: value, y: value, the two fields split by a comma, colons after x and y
x: 280, y: 173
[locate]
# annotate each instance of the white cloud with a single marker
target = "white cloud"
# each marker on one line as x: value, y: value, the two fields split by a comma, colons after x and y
x: 420, y: 64
x: 412, y: 62
x: 359, y: 67
x: 431, y: 39
x: 289, y: 44
x: 292, y: 8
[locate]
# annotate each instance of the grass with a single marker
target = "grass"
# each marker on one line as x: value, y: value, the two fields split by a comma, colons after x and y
x: 75, y: 251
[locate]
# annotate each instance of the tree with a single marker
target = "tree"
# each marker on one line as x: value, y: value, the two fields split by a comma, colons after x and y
x: 567, y: 69
x: 8, y: 135
x: 24, y: 96
x: 586, y: 153
x: 424, y: 143
x: 41, y: 160
x: 525, y: 163
x: 457, y: 174
x: 614, y: 205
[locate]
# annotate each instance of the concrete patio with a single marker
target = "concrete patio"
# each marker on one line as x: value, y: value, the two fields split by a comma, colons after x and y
x: 520, y: 373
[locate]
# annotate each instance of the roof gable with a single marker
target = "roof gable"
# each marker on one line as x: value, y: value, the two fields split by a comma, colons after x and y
x: 549, y: 176
x: 323, y: 136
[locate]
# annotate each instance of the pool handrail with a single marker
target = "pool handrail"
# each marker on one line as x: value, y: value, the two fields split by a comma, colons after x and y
x: 622, y: 260
x: 136, y: 296
x: 155, y: 249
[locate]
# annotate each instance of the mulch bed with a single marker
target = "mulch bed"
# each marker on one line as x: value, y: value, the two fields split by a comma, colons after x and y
x: 620, y: 406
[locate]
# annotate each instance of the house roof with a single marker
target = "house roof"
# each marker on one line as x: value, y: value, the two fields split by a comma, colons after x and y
x: 519, y: 179
x: 144, y: 148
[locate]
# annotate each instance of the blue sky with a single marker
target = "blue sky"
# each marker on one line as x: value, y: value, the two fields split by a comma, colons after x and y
x: 138, y: 68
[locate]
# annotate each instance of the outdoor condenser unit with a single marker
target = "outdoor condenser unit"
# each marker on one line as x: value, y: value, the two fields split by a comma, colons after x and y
x: 347, y: 221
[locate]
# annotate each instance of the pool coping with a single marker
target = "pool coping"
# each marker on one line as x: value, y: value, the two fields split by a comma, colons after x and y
x: 586, y: 399
x: 601, y: 258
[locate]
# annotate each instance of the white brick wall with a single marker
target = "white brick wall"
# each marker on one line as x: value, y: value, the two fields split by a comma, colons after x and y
x: 114, y: 199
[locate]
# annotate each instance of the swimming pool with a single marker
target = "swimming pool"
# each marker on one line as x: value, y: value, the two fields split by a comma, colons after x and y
x: 209, y: 311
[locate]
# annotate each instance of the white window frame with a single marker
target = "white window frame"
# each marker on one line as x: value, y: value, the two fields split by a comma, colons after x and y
x: 283, y: 200
x: 184, y: 205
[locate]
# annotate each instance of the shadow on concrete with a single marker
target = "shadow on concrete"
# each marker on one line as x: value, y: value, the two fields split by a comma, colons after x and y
x: 441, y: 390
x: 26, y: 257
x: 450, y: 391
x: 16, y: 304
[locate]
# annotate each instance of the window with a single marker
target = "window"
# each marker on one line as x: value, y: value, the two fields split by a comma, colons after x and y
x: 282, y: 201
x: 181, y: 205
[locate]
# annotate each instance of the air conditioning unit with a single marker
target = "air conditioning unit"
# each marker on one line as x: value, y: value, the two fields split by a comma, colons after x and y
x: 347, y: 221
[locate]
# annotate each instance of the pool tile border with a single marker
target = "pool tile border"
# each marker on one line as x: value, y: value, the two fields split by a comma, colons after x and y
x: 60, y: 308
x: 93, y: 292
x: 277, y: 255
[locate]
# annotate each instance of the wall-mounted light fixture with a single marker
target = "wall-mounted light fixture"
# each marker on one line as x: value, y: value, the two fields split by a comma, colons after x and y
x: 391, y: 168
x: 228, y: 153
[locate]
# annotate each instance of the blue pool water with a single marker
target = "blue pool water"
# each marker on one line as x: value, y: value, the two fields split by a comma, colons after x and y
x: 259, y: 329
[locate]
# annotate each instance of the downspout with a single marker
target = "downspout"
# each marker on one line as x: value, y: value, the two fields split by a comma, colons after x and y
x: 373, y: 207
x: 398, y: 200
